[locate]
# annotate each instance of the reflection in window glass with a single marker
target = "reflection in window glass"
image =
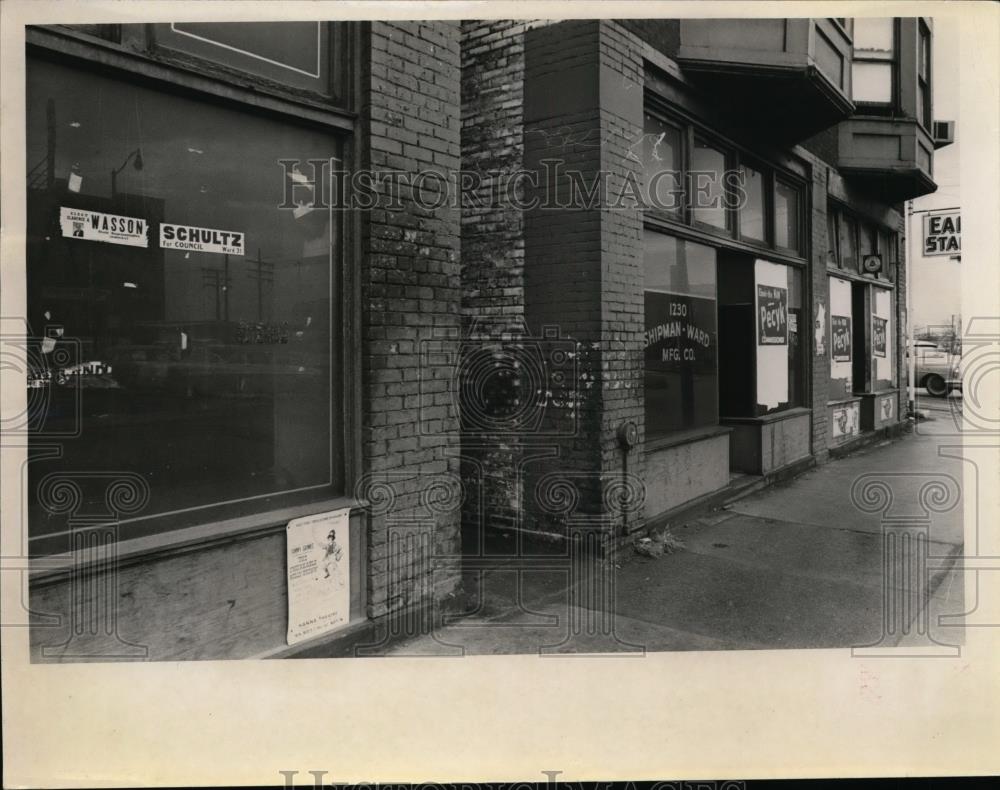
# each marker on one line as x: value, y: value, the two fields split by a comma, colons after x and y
x: 871, y: 82
x: 848, y: 243
x: 708, y: 167
x: 207, y: 331
x: 662, y: 164
x: 832, y: 256
x: 786, y: 216
x: 752, y: 210
x: 681, y: 382
x: 873, y: 36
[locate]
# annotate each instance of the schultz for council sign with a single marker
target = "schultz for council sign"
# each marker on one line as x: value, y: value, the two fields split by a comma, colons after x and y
x: 192, y: 239
x: 943, y: 234
x: 772, y: 315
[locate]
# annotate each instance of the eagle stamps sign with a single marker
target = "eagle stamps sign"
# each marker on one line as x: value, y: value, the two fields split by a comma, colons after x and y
x: 78, y: 223
x: 319, y: 574
x: 943, y: 234
x: 840, y: 338
x: 772, y: 315
x: 192, y: 239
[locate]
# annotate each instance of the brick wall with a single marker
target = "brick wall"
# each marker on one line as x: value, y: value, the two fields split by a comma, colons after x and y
x: 410, y: 284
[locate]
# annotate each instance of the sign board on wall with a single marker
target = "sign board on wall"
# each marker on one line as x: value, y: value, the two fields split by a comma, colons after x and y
x: 840, y: 338
x: 772, y: 315
x: 192, y: 239
x: 318, y: 569
x: 942, y: 234
x: 879, y: 331
x: 79, y: 223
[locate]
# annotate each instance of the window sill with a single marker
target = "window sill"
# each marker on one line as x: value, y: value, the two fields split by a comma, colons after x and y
x: 54, y: 567
x: 841, y: 401
x: 778, y: 416
x: 684, y: 437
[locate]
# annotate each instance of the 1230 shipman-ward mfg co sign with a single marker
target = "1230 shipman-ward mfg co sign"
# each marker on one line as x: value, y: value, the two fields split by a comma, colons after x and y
x: 943, y: 234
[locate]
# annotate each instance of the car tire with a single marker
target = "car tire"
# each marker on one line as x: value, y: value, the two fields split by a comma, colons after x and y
x: 936, y: 386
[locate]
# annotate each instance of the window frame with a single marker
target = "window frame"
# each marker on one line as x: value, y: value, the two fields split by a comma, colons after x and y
x: 880, y: 108
x: 683, y: 223
x: 206, y: 524
x: 925, y: 99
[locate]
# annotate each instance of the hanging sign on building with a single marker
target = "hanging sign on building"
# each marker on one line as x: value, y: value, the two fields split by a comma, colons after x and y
x: 319, y: 574
x: 879, y: 327
x: 840, y: 338
x: 943, y: 234
x: 192, y: 239
x: 772, y: 315
x: 77, y: 223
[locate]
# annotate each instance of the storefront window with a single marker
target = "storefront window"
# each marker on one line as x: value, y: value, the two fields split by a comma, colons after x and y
x: 662, y: 165
x: 779, y: 332
x: 681, y: 383
x: 786, y: 216
x: 841, y: 341
x: 204, y: 316
x: 884, y: 373
x: 707, y: 185
x: 752, y: 211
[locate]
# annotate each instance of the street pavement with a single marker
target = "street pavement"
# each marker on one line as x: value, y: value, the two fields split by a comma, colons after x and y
x: 796, y: 565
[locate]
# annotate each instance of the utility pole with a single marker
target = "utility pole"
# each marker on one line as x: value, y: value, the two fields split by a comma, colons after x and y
x: 911, y: 357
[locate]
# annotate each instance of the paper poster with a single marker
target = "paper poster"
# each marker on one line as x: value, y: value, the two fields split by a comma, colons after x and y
x: 878, y: 335
x: 840, y: 337
x: 845, y: 421
x: 77, y: 223
x: 318, y: 567
x: 772, y: 315
x: 192, y: 239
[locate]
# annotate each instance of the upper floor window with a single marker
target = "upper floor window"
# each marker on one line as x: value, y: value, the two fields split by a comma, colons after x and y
x: 873, y: 68
x: 924, y: 76
x: 703, y: 182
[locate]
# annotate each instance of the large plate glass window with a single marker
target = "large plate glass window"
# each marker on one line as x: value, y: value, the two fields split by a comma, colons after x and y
x: 681, y: 383
x: 193, y: 320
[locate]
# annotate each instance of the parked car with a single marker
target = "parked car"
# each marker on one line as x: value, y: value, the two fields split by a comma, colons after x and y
x: 937, y: 369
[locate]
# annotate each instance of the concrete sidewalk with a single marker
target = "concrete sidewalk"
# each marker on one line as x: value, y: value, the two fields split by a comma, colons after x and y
x: 796, y: 565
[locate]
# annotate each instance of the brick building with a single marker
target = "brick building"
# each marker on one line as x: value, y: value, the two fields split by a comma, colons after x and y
x: 667, y: 260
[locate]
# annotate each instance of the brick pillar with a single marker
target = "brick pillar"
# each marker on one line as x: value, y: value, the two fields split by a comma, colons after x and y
x: 582, y: 262
x: 411, y: 293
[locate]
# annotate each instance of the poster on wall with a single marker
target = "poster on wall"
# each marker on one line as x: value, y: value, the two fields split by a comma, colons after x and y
x: 879, y: 326
x: 844, y: 421
x: 77, y: 223
x: 192, y: 239
x: 772, y: 315
x: 840, y: 338
x: 318, y: 569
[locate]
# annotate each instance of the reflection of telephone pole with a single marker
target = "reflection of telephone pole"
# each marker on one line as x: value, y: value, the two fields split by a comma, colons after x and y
x: 214, y: 278
x: 264, y: 273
